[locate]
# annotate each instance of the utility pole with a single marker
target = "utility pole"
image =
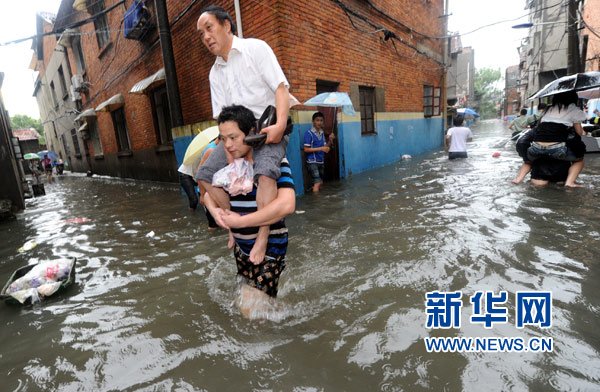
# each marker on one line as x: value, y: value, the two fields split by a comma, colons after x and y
x: 573, y: 60
x: 164, y: 31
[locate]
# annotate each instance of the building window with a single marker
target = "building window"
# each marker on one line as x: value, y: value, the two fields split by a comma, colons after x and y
x: 53, y: 93
x: 75, y: 143
x: 95, y: 138
x: 162, y: 117
x: 118, y: 117
x: 63, y: 84
x: 100, y: 23
x: 326, y: 86
x: 63, y: 139
x: 367, y: 109
x: 431, y: 101
x: 78, y: 52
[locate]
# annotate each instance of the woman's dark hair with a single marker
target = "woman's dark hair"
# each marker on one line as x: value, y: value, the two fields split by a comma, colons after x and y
x: 221, y: 15
x: 563, y: 100
x: 240, y: 115
x: 458, y: 120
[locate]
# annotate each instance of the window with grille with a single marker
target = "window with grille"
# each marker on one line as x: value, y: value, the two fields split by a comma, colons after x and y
x: 431, y: 101
x: 78, y: 52
x: 100, y: 23
x: 75, y: 142
x: 162, y: 117
x: 63, y: 84
x: 53, y: 93
x: 121, y: 133
x: 95, y: 138
x: 367, y: 109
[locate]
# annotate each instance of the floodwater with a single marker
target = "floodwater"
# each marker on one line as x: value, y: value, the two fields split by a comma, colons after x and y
x: 152, y: 306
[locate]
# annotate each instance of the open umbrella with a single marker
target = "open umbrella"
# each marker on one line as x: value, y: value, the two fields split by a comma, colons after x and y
x: 31, y: 156
x: 51, y: 154
x: 334, y: 100
x: 589, y: 94
x: 576, y: 82
x: 199, y: 143
x: 467, y: 112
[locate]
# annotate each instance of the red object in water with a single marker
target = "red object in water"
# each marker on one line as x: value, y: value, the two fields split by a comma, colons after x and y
x: 77, y: 220
x: 496, y: 154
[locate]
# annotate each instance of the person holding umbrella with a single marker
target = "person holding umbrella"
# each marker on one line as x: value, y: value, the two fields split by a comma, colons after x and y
x: 315, y: 147
x: 553, y: 137
x: 47, y: 165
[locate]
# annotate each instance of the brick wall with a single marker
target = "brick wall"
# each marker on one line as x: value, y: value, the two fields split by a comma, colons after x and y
x: 591, y: 14
x: 312, y: 40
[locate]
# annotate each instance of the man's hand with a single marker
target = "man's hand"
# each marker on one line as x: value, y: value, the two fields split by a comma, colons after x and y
x: 274, y: 133
x: 325, y: 149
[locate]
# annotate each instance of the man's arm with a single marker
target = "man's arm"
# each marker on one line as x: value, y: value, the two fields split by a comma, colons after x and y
x: 282, y: 106
x: 214, y: 210
x: 283, y: 205
x: 315, y: 149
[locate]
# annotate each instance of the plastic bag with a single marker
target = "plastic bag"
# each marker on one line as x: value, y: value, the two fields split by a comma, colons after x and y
x: 236, y: 178
x: 43, y: 279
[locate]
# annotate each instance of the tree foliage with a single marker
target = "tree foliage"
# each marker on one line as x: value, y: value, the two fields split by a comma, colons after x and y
x: 23, y: 121
x: 486, y: 92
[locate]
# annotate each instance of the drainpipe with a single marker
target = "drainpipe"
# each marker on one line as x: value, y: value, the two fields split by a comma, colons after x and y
x: 573, y: 59
x: 238, y: 18
x: 445, y: 75
x: 166, y: 45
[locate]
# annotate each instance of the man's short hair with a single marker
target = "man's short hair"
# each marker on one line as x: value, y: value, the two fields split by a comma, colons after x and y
x: 221, y: 15
x: 240, y: 115
x: 318, y: 114
x: 458, y: 120
x: 523, y: 112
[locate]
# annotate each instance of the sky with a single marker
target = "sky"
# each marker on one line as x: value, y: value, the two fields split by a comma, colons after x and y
x: 17, y: 20
x: 495, y: 46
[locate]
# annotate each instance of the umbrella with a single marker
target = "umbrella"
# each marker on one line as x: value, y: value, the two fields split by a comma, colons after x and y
x: 199, y: 143
x: 576, y: 82
x: 589, y: 94
x: 333, y: 99
x: 51, y: 154
x: 467, y: 112
x: 31, y: 156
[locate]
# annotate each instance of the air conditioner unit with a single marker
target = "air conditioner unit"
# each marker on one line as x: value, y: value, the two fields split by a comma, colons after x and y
x: 75, y: 96
x: 78, y: 83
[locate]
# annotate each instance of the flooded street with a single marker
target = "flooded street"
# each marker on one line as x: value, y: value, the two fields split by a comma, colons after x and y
x: 152, y: 306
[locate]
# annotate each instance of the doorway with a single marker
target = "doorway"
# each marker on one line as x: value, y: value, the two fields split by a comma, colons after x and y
x: 332, y: 167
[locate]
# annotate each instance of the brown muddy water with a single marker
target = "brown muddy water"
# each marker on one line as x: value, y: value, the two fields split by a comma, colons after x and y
x: 152, y: 309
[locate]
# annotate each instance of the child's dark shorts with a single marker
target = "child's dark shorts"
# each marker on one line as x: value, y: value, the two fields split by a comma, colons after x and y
x: 264, y: 276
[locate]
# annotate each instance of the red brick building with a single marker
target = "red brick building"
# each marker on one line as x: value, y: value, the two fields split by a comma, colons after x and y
x: 388, y: 56
x: 512, y: 98
x: 591, y: 29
